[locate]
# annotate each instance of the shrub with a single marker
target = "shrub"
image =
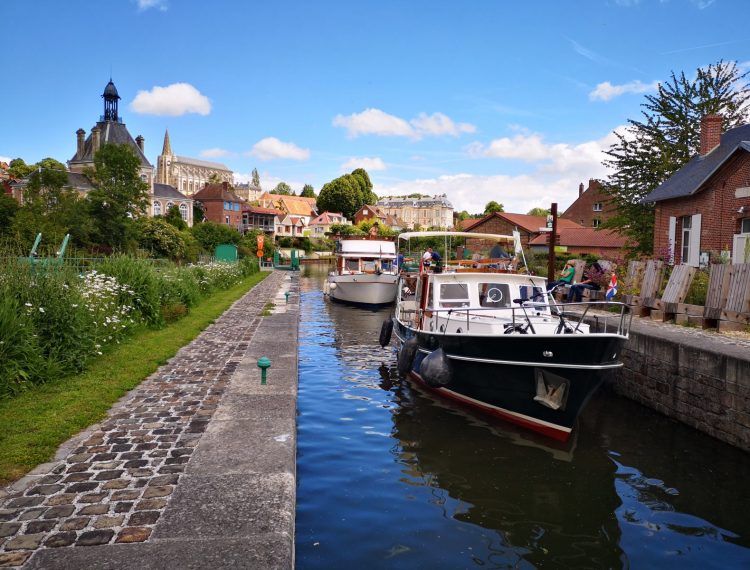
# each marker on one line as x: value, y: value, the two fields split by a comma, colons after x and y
x: 20, y: 354
x: 162, y: 238
x: 209, y: 235
x: 139, y: 275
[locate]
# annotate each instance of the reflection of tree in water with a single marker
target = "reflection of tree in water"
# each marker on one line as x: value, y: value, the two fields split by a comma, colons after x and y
x: 546, y: 506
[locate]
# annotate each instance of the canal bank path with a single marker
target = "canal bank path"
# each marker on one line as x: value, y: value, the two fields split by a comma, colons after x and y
x: 195, y: 468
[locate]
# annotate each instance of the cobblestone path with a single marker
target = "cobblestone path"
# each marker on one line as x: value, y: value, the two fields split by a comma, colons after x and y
x: 112, y: 483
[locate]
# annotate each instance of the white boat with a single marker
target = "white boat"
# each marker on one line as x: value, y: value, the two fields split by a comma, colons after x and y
x: 494, y: 340
x: 366, y: 272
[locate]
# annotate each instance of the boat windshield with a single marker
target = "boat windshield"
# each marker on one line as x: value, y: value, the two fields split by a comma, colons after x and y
x: 352, y: 264
x: 532, y: 293
x: 494, y: 295
x: 454, y: 295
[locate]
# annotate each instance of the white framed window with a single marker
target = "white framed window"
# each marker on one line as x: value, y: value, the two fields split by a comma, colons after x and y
x: 184, y: 211
x: 596, y: 222
x: 157, y: 208
x: 687, y: 226
x: 169, y: 206
x: 597, y: 207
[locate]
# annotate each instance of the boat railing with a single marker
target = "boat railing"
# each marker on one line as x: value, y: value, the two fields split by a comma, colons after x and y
x: 604, y: 317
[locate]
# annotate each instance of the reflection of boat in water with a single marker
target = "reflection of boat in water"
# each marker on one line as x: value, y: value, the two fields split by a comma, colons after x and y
x: 544, y: 510
x: 496, y: 341
x: 366, y: 272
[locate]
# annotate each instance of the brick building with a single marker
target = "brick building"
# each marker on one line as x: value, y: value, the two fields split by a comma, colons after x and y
x: 592, y: 207
x: 703, y: 209
x: 504, y: 223
x: 220, y: 204
x: 380, y: 215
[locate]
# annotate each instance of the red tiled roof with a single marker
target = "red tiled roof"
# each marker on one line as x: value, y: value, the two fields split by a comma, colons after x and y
x: 216, y: 192
x: 327, y: 218
x: 259, y: 210
x: 584, y: 237
x: 525, y: 222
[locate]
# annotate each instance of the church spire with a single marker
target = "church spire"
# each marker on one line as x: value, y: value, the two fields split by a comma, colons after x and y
x: 167, y: 150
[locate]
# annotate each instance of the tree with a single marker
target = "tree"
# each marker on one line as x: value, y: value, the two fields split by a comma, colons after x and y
x: 538, y: 212
x: 463, y: 215
x: 214, y: 178
x: 119, y: 195
x: 667, y: 137
x: 493, y: 207
x: 339, y: 195
x: 256, y: 178
x: 18, y: 169
x: 161, y: 238
x: 308, y: 191
x: 174, y: 217
x: 8, y: 209
x: 210, y: 234
x: 283, y: 188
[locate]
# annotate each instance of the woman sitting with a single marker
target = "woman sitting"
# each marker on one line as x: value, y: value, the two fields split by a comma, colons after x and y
x: 566, y: 276
x: 590, y: 278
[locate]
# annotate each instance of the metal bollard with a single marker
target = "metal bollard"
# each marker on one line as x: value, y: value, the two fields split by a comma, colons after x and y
x: 287, y: 296
x: 264, y: 364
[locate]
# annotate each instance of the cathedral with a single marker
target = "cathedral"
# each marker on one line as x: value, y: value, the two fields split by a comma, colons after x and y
x: 188, y: 175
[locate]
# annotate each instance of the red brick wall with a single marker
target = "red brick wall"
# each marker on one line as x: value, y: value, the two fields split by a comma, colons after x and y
x: 496, y: 225
x: 717, y: 205
x: 710, y: 132
x: 582, y: 210
x: 215, y: 212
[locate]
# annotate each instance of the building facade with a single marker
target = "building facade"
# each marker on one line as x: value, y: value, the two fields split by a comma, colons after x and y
x: 220, y: 205
x: 110, y: 129
x: 703, y: 209
x: 592, y: 207
x: 166, y: 197
x: 188, y: 175
x: 435, y: 212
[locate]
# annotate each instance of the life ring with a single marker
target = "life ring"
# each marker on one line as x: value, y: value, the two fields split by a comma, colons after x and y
x: 386, y: 330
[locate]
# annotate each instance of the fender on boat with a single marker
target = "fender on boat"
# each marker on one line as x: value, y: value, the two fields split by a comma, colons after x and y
x: 386, y: 330
x: 406, y: 355
x: 435, y: 369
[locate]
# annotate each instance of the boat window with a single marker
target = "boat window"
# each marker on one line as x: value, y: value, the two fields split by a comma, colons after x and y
x: 454, y: 295
x: 368, y: 266
x: 352, y: 265
x: 494, y: 295
x: 532, y: 293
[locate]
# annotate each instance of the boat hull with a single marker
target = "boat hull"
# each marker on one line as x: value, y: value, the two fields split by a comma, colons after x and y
x: 511, y: 376
x: 363, y: 289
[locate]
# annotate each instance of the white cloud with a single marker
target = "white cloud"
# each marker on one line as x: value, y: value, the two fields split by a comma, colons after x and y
x: 216, y: 152
x: 171, y: 101
x: 555, y: 173
x: 377, y: 122
x: 268, y: 181
x: 160, y: 5
x: 369, y: 164
x: 439, y: 124
x: 271, y: 148
x: 606, y: 91
x: 5, y: 159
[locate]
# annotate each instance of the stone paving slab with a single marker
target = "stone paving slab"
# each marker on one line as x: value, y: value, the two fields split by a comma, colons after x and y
x: 129, y: 490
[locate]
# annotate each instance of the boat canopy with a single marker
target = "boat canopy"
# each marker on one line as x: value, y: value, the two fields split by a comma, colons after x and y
x: 436, y: 233
x: 367, y: 248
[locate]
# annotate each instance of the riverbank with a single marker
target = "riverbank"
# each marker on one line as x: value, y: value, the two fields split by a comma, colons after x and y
x: 193, y: 469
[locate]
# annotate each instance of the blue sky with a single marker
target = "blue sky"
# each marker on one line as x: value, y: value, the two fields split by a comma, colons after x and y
x: 480, y: 100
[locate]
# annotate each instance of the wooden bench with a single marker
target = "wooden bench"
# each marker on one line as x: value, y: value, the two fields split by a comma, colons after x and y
x: 632, y: 282
x: 673, y: 298
x: 736, y: 313
x: 716, y: 295
x: 652, y: 280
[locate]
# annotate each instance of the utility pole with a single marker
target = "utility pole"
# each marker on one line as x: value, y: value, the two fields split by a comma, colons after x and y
x: 552, y: 238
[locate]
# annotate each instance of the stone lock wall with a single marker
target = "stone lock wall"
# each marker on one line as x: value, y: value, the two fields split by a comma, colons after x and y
x: 704, y: 383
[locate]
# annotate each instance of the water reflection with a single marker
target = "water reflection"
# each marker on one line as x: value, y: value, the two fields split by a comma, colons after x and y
x: 390, y: 477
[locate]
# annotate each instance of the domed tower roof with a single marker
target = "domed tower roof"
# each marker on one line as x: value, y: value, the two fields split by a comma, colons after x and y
x: 110, y: 97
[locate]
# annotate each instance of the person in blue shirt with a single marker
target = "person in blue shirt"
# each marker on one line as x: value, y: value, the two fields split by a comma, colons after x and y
x: 400, y: 260
x: 438, y: 260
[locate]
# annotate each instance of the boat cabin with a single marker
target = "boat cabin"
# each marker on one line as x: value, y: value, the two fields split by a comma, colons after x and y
x: 365, y: 256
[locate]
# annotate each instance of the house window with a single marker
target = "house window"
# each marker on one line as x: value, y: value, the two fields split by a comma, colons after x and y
x: 598, y: 207
x: 687, y: 224
x: 184, y: 211
x: 745, y: 226
x: 226, y: 219
x: 596, y: 222
x: 157, y: 208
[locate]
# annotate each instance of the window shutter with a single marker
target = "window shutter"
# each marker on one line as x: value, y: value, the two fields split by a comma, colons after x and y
x: 695, y: 241
x: 671, y: 238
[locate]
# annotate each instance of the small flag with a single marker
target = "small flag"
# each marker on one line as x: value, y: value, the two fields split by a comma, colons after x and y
x: 612, y: 288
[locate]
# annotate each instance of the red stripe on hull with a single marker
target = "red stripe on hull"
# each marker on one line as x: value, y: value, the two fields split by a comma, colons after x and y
x: 558, y: 434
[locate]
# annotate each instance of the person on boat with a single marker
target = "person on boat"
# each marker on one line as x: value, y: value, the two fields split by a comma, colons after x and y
x: 498, y: 252
x: 438, y: 261
x: 400, y: 260
x: 426, y: 258
x: 575, y: 295
x: 566, y: 276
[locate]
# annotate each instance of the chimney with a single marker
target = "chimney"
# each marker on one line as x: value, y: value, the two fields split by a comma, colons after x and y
x: 95, y: 139
x: 580, y: 189
x: 710, y: 133
x: 139, y: 141
x: 80, y: 134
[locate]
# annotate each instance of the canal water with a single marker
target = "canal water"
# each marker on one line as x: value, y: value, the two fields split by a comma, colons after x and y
x: 390, y: 477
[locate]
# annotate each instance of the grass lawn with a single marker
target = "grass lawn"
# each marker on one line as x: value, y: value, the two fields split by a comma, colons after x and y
x: 34, y: 424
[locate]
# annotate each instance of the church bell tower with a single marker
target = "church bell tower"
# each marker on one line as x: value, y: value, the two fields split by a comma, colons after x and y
x: 110, y: 97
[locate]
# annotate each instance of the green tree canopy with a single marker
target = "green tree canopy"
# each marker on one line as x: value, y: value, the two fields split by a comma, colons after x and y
x: 210, y: 234
x: 283, y: 188
x: 119, y: 195
x: 18, y: 169
x: 347, y: 193
x: 174, y: 217
x: 538, y: 212
x: 308, y: 191
x: 256, y: 178
x: 161, y: 238
x: 493, y: 207
x: 667, y: 136
x: 8, y: 209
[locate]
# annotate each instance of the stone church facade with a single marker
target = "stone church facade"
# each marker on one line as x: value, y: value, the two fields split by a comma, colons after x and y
x: 188, y: 175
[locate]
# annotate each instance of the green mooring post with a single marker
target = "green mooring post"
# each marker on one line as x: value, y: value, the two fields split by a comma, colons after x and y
x: 264, y: 364
x: 287, y: 296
